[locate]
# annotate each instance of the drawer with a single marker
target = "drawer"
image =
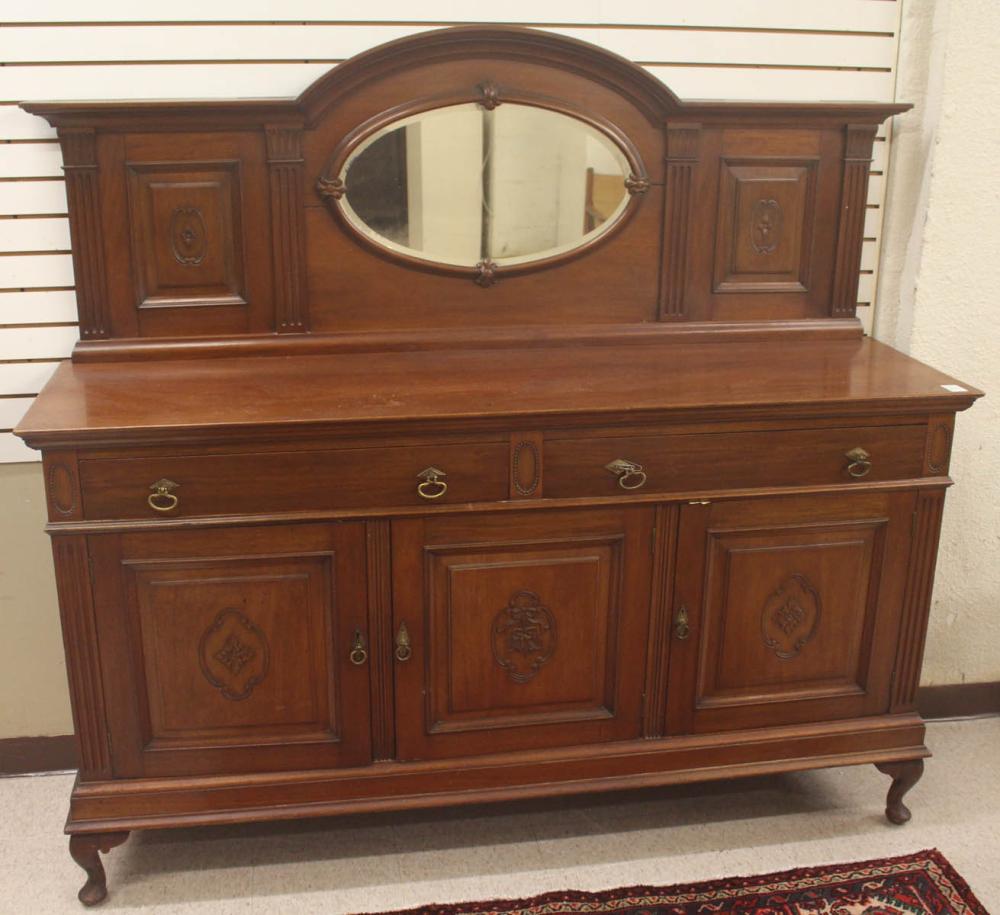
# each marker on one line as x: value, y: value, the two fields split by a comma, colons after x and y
x: 293, y: 481
x: 731, y: 460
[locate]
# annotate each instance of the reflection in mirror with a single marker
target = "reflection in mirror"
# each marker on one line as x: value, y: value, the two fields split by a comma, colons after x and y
x: 463, y: 184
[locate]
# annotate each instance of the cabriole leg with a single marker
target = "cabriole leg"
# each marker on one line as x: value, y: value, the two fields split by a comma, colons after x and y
x: 86, y: 849
x: 904, y: 776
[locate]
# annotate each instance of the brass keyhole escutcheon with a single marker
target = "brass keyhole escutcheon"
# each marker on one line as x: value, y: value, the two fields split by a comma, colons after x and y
x: 403, y: 647
x: 359, y: 653
x: 682, y: 628
x: 162, y: 498
x: 860, y: 462
x: 432, y: 486
x: 630, y: 474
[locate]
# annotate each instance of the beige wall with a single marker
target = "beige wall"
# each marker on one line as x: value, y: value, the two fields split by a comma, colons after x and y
x: 938, y: 298
x: 33, y: 694
x: 938, y: 301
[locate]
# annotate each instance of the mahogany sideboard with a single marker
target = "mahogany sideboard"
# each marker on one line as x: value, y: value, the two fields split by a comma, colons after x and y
x: 485, y: 423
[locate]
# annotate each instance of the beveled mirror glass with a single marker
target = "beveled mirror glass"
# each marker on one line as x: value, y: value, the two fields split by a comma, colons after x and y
x: 465, y: 184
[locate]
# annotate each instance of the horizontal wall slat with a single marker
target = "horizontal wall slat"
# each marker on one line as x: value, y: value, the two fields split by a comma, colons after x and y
x: 860, y: 15
x: 19, y: 198
x: 34, y: 234
x: 120, y: 81
x: 17, y: 124
x: 20, y: 272
x: 14, y: 451
x: 37, y: 342
x: 12, y: 409
x: 30, y: 160
x: 42, y: 307
x: 338, y: 42
x: 25, y: 377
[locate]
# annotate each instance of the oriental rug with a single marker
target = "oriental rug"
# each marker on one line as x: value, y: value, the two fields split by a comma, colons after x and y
x: 915, y: 884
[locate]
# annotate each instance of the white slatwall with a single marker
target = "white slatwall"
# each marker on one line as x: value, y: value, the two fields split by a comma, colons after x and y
x: 65, y: 49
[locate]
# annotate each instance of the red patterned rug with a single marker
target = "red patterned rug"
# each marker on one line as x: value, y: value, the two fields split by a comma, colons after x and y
x: 923, y: 882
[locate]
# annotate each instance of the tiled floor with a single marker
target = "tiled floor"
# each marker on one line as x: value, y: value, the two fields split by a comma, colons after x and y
x: 389, y: 861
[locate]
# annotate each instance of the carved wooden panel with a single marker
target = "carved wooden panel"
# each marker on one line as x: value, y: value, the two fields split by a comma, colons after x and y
x: 858, y: 140
x: 187, y: 233
x: 789, y: 602
x: 682, y: 159
x: 285, y: 164
x: 83, y: 199
x: 765, y: 225
x: 917, y: 603
x: 525, y: 634
x: 239, y: 643
x: 83, y: 655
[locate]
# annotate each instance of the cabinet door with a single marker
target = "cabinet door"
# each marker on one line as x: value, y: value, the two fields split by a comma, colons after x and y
x: 786, y: 609
x: 524, y: 630
x: 228, y: 650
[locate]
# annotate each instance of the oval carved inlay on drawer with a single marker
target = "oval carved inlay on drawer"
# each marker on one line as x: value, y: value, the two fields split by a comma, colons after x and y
x: 61, y: 489
x: 527, y: 468
x: 940, y: 446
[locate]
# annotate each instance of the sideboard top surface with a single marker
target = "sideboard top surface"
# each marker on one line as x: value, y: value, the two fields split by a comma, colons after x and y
x: 220, y: 397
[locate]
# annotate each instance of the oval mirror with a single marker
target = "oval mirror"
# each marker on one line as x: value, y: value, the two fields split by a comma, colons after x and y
x: 464, y: 184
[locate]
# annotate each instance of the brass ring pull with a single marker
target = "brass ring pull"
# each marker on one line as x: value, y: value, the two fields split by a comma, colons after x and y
x: 432, y: 486
x: 403, y: 648
x: 162, y: 498
x: 630, y: 475
x: 682, y: 628
x: 359, y: 653
x: 860, y: 462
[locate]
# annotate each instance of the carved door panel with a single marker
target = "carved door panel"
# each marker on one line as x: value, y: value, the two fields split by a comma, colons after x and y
x: 786, y: 610
x: 519, y: 630
x: 229, y: 650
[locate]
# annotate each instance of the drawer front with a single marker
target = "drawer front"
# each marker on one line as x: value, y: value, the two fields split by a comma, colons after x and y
x: 731, y: 460
x: 223, y: 484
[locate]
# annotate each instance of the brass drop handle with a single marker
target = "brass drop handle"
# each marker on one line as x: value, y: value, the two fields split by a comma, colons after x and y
x: 359, y: 654
x: 403, y: 648
x: 162, y: 498
x: 681, y: 627
x: 860, y: 462
x: 630, y: 474
x: 432, y: 486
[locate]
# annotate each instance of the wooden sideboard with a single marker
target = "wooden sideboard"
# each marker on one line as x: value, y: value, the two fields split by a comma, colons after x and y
x: 365, y: 497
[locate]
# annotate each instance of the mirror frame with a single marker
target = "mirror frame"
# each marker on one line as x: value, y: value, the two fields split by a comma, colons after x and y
x: 331, y: 189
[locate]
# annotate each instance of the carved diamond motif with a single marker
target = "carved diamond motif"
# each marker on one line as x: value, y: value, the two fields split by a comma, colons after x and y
x: 234, y: 655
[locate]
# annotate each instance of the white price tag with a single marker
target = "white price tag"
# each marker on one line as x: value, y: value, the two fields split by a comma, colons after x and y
x: 954, y: 388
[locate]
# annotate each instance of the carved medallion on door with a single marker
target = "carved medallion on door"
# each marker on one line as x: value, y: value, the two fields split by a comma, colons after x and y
x: 790, y: 617
x: 524, y: 636
x: 234, y: 655
x: 526, y: 630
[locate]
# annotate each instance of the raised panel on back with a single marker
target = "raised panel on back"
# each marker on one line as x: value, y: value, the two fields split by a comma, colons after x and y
x: 527, y: 629
x: 762, y: 242
x: 187, y: 233
x: 765, y: 225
